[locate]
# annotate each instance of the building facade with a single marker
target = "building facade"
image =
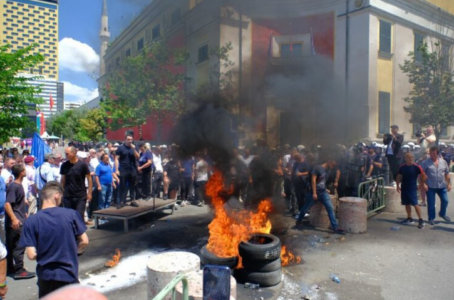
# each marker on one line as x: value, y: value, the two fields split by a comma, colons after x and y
x: 70, y: 106
x: 24, y: 22
x: 305, y: 71
x: 51, y: 91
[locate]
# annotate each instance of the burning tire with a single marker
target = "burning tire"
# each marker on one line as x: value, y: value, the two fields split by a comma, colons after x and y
x: 208, y: 258
x: 264, y: 279
x: 262, y: 266
x: 260, y: 247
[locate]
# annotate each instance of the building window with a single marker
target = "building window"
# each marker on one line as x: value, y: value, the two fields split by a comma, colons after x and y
x: 156, y: 32
x: 291, y: 50
x: 446, y: 56
x: 176, y: 16
x: 419, y: 41
x: 384, y: 112
x: 385, y: 37
x: 140, y: 45
x: 128, y: 52
x: 203, y: 53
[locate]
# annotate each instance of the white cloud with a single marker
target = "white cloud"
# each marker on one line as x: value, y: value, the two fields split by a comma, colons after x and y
x: 77, y: 56
x: 75, y: 93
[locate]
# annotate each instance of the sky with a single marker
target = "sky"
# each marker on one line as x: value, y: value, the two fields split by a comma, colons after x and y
x: 79, y: 43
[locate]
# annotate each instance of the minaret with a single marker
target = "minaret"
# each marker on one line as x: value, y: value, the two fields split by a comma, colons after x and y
x: 104, y: 35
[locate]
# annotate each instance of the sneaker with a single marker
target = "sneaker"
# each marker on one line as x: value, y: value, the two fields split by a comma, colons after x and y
x: 431, y: 222
x: 446, y: 218
x: 421, y: 224
x: 165, y: 197
x: 118, y: 206
x: 89, y: 222
x: 134, y: 204
x: 24, y: 274
x: 200, y: 204
x: 148, y: 198
x: 407, y: 221
x: 422, y: 204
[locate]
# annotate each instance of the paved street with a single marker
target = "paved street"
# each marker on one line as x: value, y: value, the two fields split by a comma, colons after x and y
x: 381, y: 264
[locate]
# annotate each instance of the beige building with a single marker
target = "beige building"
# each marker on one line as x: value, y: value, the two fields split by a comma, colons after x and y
x: 305, y: 71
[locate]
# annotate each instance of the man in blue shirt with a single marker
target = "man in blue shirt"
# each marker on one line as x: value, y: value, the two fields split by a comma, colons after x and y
x: 54, y: 237
x: 438, y: 183
x: 408, y: 174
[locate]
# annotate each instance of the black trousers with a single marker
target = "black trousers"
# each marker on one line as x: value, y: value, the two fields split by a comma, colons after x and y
x: 46, y: 287
x: 15, y: 257
x: 128, y: 180
x: 300, y: 193
x: 94, y: 204
x: 186, y: 187
x: 393, y: 162
x: 145, y: 184
x: 158, y: 179
x: 75, y: 203
x: 199, y: 187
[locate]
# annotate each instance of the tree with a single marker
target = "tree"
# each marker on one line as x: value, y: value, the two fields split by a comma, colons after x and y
x: 94, y: 124
x: 431, y: 101
x: 17, y: 96
x: 148, y: 84
x: 68, y: 124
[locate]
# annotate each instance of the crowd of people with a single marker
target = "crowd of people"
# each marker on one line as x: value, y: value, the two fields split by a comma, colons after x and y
x: 32, y: 199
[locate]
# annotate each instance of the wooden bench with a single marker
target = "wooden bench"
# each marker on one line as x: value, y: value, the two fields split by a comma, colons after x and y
x: 128, y: 212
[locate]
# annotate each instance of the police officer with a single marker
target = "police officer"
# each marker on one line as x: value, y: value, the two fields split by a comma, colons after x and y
x: 359, y: 168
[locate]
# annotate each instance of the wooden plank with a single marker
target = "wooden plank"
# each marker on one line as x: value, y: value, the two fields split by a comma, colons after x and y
x: 129, y: 211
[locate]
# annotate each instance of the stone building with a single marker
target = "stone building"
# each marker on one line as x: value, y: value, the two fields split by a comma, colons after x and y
x: 304, y: 70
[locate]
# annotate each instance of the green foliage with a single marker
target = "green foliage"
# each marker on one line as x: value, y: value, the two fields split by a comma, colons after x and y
x: 16, y: 95
x: 79, y: 125
x: 220, y: 85
x: 148, y: 84
x: 431, y: 101
x: 94, y: 123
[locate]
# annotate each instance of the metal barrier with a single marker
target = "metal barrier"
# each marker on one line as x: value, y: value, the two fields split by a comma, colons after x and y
x: 171, y: 288
x: 374, y: 192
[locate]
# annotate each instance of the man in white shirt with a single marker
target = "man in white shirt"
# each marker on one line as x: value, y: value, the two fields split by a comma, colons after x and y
x: 56, y: 166
x: 44, y: 173
x: 201, y: 178
x: 6, y: 171
x: 158, y: 172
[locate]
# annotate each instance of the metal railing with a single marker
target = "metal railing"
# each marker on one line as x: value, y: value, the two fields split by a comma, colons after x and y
x: 374, y: 192
x: 171, y: 288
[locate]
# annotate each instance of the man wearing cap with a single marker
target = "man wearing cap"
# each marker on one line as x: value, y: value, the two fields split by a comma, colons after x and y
x: 394, y: 152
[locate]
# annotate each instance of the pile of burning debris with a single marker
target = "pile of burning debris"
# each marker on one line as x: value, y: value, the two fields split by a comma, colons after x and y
x: 242, y: 241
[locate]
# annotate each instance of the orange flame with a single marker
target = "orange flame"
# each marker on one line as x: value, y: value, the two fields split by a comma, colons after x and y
x: 228, y: 230
x: 288, y: 257
x: 115, y: 259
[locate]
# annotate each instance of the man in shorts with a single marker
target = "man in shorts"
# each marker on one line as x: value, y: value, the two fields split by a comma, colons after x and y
x: 406, y: 179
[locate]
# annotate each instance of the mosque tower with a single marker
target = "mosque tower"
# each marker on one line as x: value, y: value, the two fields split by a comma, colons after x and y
x: 104, y: 35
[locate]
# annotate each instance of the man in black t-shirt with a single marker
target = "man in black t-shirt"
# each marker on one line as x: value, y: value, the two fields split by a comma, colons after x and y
x: 73, y: 174
x: 126, y: 158
x: 319, y: 192
x: 54, y: 247
x: 16, y: 213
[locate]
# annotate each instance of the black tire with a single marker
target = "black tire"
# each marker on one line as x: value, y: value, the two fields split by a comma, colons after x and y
x: 270, y: 250
x: 262, y: 266
x: 264, y: 279
x: 208, y: 258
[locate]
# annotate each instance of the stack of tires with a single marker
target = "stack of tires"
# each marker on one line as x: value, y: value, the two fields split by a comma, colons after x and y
x: 261, y: 257
x: 208, y: 258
